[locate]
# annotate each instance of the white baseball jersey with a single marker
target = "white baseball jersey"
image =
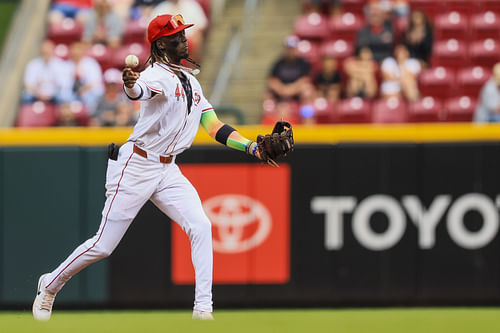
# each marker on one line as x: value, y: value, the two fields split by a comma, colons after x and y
x: 165, y: 126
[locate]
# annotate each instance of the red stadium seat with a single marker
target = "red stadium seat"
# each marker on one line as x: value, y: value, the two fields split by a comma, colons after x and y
x: 118, y: 57
x: 38, y: 114
x: 353, y: 110
x: 324, y: 111
x: 135, y: 31
x: 437, y: 82
x: 460, y: 109
x: 311, y: 26
x: 485, y: 5
x: 102, y: 54
x: 345, y: 26
x: 389, y: 110
x: 485, y: 25
x: 466, y: 7
x: 67, y: 32
x: 451, y: 25
x: 427, y: 109
x: 354, y: 6
x: 449, y: 53
x: 340, y: 49
x: 484, y: 52
x: 470, y: 80
x: 62, y: 51
x: 310, y: 51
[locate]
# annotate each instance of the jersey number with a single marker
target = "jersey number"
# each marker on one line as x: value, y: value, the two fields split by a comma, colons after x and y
x: 178, y: 92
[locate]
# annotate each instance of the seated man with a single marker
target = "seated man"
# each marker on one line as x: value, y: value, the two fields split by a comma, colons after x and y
x: 488, y: 104
x: 44, y: 76
x: 289, y: 75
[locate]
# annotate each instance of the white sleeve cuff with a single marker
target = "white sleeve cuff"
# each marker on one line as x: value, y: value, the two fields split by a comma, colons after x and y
x: 135, y: 92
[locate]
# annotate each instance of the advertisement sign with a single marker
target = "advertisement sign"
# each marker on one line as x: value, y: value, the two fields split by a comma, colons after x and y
x: 248, y: 206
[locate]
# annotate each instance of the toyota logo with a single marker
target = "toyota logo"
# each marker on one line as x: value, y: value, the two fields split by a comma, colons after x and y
x: 240, y: 223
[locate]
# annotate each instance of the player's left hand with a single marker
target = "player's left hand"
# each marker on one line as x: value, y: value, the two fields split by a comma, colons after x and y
x: 278, y: 143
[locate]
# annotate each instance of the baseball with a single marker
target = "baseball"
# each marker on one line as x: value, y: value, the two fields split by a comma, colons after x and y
x: 131, y: 61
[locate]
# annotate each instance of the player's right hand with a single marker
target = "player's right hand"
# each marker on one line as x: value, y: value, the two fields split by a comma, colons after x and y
x: 129, y: 77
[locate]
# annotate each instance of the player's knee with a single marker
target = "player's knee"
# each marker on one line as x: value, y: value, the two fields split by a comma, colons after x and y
x: 203, y: 227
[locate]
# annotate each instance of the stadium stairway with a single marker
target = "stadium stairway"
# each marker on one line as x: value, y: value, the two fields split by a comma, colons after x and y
x: 21, y: 45
x: 272, y: 22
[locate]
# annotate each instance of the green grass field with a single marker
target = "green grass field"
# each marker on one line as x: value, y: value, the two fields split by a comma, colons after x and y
x: 442, y: 320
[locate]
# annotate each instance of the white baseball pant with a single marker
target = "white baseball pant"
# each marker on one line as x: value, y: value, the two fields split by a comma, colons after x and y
x: 130, y: 182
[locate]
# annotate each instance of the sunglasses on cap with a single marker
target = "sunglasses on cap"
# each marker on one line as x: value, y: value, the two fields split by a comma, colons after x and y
x: 174, y: 22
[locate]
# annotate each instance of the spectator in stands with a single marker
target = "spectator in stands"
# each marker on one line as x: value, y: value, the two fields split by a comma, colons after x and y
x: 192, y: 12
x: 399, y: 75
x: 108, y: 103
x: 327, y: 81
x: 418, y: 38
x: 488, y: 106
x: 75, y: 9
x: 144, y: 8
x: 377, y: 34
x: 125, y: 115
x: 44, y: 77
x: 361, y: 74
x: 86, y: 77
x: 103, y: 25
x: 66, y: 116
x: 289, y: 75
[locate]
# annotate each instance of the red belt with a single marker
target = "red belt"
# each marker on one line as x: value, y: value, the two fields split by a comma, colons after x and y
x: 143, y: 153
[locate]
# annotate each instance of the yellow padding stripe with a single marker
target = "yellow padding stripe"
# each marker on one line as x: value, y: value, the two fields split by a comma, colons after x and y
x: 324, y: 134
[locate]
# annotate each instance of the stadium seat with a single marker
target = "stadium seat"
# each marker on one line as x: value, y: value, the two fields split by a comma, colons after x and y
x: 427, y: 109
x: 451, y: 25
x: 311, y: 26
x: 135, y: 31
x: 62, y: 51
x: 345, y: 26
x: 449, y: 53
x: 102, y: 54
x: 311, y: 52
x: 485, y: 25
x: 340, y: 49
x: 466, y: 7
x: 352, y: 110
x: 389, y: 110
x: 323, y: 111
x: 354, y: 6
x: 459, y: 109
x: 38, y: 114
x: 437, y: 82
x: 66, y: 32
x: 470, y: 80
x: 140, y: 50
x: 485, y: 5
x: 484, y: 52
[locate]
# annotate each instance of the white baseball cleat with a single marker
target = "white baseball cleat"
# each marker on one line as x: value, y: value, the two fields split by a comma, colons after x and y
x: 42, y: 306
x: 202, y: 315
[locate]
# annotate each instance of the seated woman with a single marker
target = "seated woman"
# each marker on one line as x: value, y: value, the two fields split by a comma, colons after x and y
x: 327, y: 81
x: 399, y: 75
x: 418, y: 38
x: 360, y: 71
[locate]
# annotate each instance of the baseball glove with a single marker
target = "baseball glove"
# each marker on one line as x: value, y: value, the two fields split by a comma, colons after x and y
x: 276, y: 144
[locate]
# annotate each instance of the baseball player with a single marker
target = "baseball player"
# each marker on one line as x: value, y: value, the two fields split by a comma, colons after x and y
x: 144, y: 168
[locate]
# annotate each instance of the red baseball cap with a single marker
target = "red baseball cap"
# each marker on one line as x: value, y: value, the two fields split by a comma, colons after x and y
x: 166, y: 25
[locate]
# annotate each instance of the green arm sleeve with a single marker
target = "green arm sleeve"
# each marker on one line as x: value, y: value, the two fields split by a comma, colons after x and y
x: 237, y: 141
